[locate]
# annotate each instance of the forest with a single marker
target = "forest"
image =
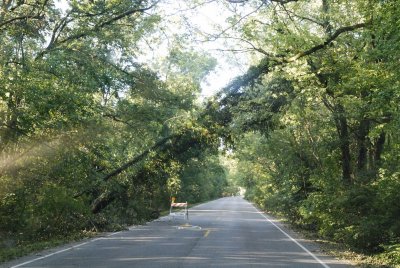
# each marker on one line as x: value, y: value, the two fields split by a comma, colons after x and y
x: 102, y: 118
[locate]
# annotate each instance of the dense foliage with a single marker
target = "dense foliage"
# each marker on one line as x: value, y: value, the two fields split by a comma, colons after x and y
x: 314, y: 122
x: 89, y: 136
x: 92, y: 137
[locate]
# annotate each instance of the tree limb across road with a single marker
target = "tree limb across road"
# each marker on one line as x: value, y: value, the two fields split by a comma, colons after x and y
x: 137, y: 158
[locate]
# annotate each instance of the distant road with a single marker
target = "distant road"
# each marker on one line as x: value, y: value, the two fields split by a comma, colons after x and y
x: 229, y: 232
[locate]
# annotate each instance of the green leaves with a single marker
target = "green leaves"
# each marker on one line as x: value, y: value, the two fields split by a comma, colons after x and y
x: 88, y: 129
x: 311, y: 121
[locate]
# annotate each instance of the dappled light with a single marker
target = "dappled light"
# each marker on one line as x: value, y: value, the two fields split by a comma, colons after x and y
x: 111, y: 112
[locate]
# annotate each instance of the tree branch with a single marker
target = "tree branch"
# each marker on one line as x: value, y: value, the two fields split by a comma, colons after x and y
x: 117, y: 119
x: 38, y: 9
x: 327, y: 42
x: 137, y: 158
x: 282, y: 2
x: 37, y: 16
x: 268, y: 63
x: 215, y: 37
x: 253, y: 47
x: 96, y: 28
x: 107, y: 197
x: 58, y: 28
x: 291, y: 13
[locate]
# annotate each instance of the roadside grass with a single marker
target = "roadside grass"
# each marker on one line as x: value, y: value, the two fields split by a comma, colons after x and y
x: 386, y: 259
x: 12, y: 250
x: 20, y: 249
x: 390, y: 258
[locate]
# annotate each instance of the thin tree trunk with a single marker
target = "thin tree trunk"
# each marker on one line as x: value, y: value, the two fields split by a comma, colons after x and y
x: 380, y: 142
x: 136, y: 159
x: 362, y: 140
x: 107, y: 197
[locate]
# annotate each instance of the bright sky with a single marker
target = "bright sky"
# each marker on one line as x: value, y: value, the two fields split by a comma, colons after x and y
x: 203, y: 22
x: 209, y: 18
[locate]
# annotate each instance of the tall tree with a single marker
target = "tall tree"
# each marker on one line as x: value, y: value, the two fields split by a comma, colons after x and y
x: 323, y: 149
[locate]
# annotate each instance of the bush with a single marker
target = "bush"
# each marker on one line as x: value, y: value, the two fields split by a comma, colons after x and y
x: 57, y: 212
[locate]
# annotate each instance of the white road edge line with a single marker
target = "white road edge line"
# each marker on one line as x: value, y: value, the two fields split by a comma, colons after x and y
x: 61, y: 251
x: 294, y: 240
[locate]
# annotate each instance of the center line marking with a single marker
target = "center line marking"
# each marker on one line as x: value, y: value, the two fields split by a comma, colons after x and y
x: 207, y: 233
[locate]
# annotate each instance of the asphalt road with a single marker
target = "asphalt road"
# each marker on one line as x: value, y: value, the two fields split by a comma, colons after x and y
x: 229, y: 232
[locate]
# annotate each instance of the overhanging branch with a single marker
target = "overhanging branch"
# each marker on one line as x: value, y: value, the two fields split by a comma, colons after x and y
x: 95, y: 28
x: 269, y: 62
x: 21, y: 18
x: 137, y: 158
x: 327, y: 42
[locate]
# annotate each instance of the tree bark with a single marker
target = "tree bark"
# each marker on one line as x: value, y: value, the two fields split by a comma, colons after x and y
x: 103, y: 201
x: 340, y: 120
x: 344, y: 139
x: 380, y: 142
x: 107, y: 197
x: 269, y: 62
x: 362, y: 140
x: 137, y: 158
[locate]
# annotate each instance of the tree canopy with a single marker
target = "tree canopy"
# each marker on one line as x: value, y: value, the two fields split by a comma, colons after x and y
x: 313, y: 120
x: 102, y: 120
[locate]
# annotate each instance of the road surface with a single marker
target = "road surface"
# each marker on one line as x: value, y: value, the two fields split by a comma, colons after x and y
x: 229, y: 232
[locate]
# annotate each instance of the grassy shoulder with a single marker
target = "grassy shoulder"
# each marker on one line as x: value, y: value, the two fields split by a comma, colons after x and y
x: 13, y: 250
x: 387, y: 259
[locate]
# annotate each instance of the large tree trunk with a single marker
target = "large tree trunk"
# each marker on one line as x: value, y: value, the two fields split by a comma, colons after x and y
x: 344, y: 139
x: 379, y: 145
x: 340, y: 120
